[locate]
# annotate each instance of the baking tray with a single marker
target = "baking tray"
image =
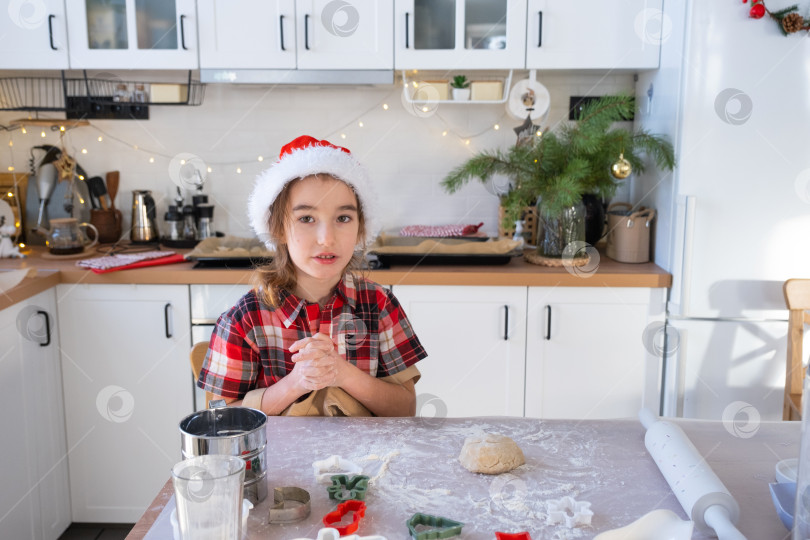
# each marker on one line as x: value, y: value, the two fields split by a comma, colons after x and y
x: 386, y: 260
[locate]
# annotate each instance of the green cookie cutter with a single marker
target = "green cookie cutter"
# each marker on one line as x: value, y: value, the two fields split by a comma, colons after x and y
x: 442, y: 527
x: 344, y: 488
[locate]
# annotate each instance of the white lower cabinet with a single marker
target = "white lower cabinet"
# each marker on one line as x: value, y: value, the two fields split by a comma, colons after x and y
x: 126, y: 371
x: 475, y: 338
x: 34, y: 492
x: 585, y: 352
x: 565, y: 352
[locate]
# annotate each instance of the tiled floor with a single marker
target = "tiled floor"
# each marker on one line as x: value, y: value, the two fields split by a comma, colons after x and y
x: 96, y: 531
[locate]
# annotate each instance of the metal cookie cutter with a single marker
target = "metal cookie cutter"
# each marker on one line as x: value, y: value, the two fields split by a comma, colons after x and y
x: 291, y: 504
x: 344, y: 489
x: 356, y: 508
x: 569, y: 512
x: 334, y: 465
x: 441, y: 527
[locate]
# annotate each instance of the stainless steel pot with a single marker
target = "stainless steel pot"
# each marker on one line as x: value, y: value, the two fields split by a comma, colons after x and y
x: 234, y: 431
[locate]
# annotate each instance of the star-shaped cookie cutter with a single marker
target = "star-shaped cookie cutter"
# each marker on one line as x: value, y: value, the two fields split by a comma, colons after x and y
x: 441, y: 527
x: 344, y: 488
x: 290, y: 504
x: 356, y: 508
x: 569, y: 512
x: 334, y: 465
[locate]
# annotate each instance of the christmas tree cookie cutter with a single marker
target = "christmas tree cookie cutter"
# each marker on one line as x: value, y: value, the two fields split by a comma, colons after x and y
x: 290, y: 504
x: 332, y: 466
x: 328, y: 533
x: 569, y: 512
x: 344, y: 488
x: 356, y: 508
x: 440, y: 527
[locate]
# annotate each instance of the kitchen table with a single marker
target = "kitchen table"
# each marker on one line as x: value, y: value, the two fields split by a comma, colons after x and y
x: 413, y: 465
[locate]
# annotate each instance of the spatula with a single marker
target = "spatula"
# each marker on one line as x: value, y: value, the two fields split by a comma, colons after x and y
x: 112, y: 186
x: 98, y: 191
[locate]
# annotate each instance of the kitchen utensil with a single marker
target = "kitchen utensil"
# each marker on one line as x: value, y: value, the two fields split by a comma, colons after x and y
x: 209, y: 497
x: 702, y: 495
x: 112, y: 186
x: 144, y: 227
x: 234, y: 431
x: 46, y: 183
x: 98, y: 191
x: 65, y: 237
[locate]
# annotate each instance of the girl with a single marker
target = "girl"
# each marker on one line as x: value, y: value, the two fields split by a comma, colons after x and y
x: 312, y: 338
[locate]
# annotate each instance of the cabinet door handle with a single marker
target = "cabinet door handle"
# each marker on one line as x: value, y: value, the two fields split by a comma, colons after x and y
x: 183, y: 32
x: 506, y: 323
x: 47, y: 328
x: 281, y: 30
x: 407, y: 30
x: 539, y: 28
x: 547, y: 337
x: 50, y: 30
x: 166, y: 319
x: 306, y: 31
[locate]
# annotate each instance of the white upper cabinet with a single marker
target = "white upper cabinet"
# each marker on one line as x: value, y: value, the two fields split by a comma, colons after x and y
x: 594, y: 34
x: 132, y: 34
x: 460, y: 34
x: 335, y: 34
x: 33, y: 35
x: 247, y: 34
x: 302, y: 34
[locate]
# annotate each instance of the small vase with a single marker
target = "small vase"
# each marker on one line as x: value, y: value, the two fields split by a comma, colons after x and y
x: 461, y: 94
x: 558, y: 229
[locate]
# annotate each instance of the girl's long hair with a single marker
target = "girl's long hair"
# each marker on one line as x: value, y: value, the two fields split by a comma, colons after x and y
x: 279, y: 273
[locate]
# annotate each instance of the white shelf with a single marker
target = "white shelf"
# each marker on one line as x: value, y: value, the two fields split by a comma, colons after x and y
x: 408, y: 91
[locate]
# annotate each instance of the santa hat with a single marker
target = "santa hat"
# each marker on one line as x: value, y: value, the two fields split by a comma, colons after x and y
x: 307, y: 156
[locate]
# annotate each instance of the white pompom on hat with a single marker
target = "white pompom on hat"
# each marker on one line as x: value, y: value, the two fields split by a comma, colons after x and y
x: 307, y: 156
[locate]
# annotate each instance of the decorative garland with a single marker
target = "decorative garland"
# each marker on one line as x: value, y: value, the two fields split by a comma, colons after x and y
x: 788, y: 18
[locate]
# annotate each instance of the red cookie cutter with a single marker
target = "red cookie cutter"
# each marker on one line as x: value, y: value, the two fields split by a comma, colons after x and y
x: 358, y: 510
x: 512, y: 536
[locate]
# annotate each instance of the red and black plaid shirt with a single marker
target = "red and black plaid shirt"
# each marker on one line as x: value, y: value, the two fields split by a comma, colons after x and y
x: 249, y: 348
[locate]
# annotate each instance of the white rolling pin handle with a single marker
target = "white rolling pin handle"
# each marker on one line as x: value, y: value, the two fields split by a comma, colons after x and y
x: 647, y: 417
x: 717, y: 517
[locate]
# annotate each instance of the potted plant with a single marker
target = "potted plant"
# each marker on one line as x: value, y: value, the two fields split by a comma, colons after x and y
x: 557, y: 169
x: 461, y: 88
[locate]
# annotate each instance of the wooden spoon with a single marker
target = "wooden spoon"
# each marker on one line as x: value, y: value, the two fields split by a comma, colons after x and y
x: 112, y: 186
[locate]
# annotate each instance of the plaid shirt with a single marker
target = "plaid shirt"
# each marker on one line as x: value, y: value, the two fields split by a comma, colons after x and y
x: 249, y: 348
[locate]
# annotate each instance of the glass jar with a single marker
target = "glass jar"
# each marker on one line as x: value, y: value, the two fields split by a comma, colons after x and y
x: 558, y: 228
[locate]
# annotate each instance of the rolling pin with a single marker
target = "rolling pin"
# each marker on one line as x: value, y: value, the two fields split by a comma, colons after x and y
x: 701, y: 493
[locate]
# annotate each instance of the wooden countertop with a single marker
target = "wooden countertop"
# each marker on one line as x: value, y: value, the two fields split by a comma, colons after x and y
x: 518, y: 272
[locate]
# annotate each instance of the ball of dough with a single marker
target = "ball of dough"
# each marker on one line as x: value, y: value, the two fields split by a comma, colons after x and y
x: 490, y: 454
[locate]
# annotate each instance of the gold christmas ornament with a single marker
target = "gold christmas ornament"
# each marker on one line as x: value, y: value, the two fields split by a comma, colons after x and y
x: 621, y: 169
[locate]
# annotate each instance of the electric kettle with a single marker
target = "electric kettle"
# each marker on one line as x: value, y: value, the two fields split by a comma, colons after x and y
x: 144, y: 224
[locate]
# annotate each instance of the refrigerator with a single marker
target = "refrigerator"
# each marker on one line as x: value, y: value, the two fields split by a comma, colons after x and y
x: 733, y: 95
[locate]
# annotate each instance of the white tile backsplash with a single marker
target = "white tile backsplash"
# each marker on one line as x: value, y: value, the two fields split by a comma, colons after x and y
x: 407, y: 154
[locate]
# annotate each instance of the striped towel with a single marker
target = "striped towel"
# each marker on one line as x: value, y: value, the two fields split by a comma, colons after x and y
x: 439, y: 231
x: 114, y: 261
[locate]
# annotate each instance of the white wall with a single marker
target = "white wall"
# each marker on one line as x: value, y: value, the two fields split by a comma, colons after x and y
x: 407, y: 154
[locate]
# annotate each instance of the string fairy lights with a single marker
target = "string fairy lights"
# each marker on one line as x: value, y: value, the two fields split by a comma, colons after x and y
x: 367, y: 119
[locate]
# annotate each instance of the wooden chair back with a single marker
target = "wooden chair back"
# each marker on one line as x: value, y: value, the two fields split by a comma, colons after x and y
x: 797, y: 298
x: 197, y: 357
